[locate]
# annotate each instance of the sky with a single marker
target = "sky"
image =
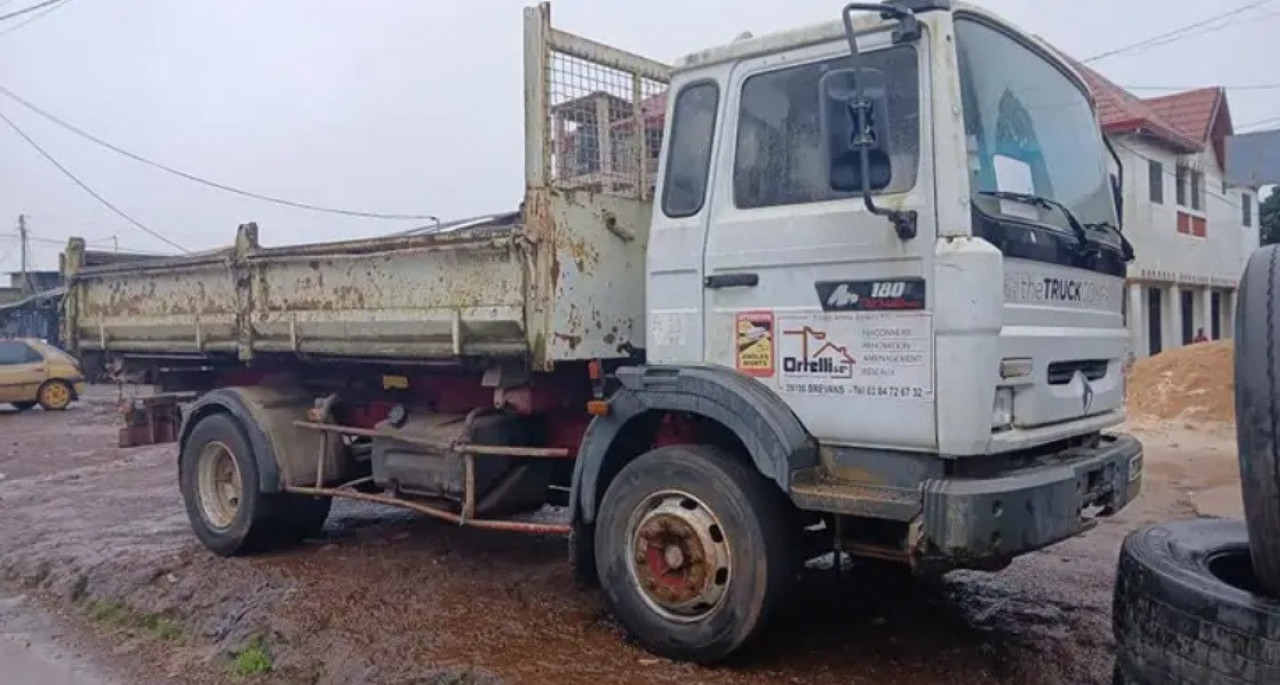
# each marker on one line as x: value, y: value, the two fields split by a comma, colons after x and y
x: 411, y: 106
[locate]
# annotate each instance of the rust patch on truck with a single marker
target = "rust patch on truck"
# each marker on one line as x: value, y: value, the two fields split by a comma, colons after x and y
x: 573, y: 340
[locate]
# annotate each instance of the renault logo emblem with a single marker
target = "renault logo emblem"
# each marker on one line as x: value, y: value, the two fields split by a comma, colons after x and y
x: 1086, y: 394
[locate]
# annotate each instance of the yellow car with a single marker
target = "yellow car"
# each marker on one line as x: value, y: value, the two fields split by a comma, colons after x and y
x: 34, y: 372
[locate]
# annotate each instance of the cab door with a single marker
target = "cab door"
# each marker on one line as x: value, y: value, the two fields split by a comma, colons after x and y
x: 22, y: 370
x: 804, y: 289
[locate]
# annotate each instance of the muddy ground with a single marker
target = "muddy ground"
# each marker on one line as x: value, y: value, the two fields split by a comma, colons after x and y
x: 97, y: 540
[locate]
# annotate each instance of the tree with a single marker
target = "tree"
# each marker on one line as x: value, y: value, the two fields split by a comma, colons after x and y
x: 1269, y: 217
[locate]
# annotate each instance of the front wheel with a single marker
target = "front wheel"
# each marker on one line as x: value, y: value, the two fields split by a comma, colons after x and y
x: 693, y: 551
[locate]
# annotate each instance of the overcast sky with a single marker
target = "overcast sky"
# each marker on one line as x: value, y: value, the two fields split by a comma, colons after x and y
x: 410, y: 106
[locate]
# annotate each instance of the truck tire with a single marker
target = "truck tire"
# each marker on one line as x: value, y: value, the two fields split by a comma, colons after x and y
x: 1188, y: 611
x: 218, y: 476
x: 1257, y: 377
x: 693, y: 550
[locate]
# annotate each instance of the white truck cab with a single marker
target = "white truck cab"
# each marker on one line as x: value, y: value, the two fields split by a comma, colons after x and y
x: 987, y: 329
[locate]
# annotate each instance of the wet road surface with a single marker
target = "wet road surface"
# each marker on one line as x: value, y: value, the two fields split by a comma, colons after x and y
x: 385, y: 597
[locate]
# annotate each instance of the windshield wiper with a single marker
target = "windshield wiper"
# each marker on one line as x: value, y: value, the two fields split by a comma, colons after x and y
x: 1083, y: 245
x: 1126, y: 247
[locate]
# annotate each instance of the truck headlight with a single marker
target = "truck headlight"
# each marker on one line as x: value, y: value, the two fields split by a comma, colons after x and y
x: 1002, y: 411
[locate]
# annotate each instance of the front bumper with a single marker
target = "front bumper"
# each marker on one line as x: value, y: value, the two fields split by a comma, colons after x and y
x: 986, y: 522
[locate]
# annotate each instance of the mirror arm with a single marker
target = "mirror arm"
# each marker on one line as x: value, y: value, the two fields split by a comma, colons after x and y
x: 904, y: 221
x: 908, y: 29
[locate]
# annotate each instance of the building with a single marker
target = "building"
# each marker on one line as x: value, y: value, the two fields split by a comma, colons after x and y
x: 1192, y: 230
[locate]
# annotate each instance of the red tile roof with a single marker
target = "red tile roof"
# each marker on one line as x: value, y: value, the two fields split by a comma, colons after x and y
x: 1192, y: 112
x: 1122, y: 112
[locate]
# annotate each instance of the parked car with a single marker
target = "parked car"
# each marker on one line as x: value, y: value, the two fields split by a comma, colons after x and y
x: 34, y: 372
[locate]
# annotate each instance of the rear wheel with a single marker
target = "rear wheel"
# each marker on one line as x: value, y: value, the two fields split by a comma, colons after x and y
x: 693, y: 551
x: 55, y: 395
x: 220, y: 486
x: 23, y: 406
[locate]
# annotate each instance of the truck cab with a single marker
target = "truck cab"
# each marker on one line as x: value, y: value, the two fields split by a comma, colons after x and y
x: 903, y: 228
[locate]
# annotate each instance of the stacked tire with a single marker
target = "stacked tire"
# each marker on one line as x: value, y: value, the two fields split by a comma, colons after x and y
x: 1199, y: 601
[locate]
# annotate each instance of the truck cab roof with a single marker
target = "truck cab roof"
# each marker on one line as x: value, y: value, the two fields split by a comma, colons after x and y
x: 823, y: 32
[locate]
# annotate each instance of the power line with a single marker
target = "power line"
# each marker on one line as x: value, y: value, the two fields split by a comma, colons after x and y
x: 67, y: 172
x: 28, y: 20
x: 63, y: 243
x: 1262, y: 122
x: 203, y: 181
x: 1176, y: 34
x: 1252, y: 86
x: 32, y: 8
x: 1167, y: 172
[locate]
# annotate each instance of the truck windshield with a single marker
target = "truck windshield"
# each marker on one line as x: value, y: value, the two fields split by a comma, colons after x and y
x: 1031, y: 130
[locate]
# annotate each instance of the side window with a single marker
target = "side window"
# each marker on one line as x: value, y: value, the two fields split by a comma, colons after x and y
x: 1246, y: 209
x: 13, y: 352
x: 779, y: 158
x: 693, y: 125
x: 1155, y: 173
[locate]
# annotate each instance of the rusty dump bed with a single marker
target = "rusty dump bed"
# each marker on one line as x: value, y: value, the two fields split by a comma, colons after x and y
x: 562, y: 279
x: 558, y: 282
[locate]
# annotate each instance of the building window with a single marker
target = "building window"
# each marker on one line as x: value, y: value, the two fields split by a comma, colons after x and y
x: 1181, y: 181
x: 1197, y: 190
x: 1246, y: 209
x: 1155, y: 174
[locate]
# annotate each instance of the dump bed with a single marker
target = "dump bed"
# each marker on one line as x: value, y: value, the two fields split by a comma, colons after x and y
x: 561, y: 279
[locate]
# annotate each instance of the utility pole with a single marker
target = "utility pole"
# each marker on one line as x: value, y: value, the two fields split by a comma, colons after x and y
x: 22, y: 239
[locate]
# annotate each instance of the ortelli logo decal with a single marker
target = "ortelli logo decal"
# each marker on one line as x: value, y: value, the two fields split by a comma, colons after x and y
x: 818, y: 357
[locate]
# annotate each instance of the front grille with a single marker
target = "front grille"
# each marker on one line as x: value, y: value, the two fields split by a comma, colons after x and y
x: 1061, y: 373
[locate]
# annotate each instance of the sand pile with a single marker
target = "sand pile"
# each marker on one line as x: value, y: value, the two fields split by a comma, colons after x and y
x: 1195, y: 382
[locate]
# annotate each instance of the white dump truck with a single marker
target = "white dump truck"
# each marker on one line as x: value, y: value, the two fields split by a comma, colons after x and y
x: 854, y: 287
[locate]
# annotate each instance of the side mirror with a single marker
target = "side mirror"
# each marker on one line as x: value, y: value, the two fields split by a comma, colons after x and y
x: 854, y: 116
x: 855, y: 129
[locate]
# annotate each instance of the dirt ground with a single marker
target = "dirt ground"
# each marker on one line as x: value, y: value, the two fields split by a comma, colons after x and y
x: 97, y: 539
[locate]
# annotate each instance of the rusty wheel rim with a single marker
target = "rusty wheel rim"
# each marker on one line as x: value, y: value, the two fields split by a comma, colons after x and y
x: 55, y: 396
x: 218, y: 482
x: 679, y: 557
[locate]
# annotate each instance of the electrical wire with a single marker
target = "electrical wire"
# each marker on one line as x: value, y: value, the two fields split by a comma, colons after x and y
x: 203, y: 181
x: 1174, y: 174
x: 83, y: 186
x: 1253, y: 86
x: 25, y: 10
x: 28, y: 20
x: 1262, y: 122
x: 1176, y: 34
x: 63, y: 243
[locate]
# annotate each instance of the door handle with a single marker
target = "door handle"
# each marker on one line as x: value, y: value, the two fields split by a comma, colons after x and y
x: 738, y: 280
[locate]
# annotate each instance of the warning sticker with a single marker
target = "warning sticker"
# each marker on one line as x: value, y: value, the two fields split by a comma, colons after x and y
x: 857, y: 354
x: 754, y: 342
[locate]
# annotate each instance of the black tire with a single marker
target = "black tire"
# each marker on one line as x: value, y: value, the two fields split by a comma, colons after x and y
x: 1187, y: 610
x: 23, y: 406
x: 260, y: 521
x: 755, y: 538
x: 1257, y: 378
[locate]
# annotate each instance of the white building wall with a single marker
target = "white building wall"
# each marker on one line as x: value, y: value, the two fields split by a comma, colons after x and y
x: 1173, y: 261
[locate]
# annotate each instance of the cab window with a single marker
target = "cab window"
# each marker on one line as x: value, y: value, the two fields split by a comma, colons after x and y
x: 779, y: 158
x: 13, y: 352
